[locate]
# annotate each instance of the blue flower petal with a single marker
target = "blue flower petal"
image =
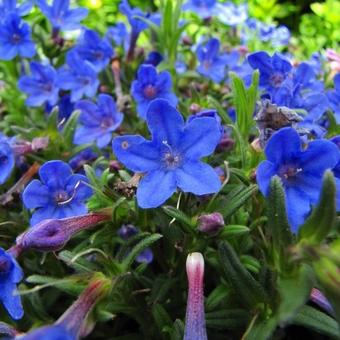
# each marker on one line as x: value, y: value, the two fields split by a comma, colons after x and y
x: 55, y: 173
x: 319, y: 156
x: 265, y: 171
x: 136, y: 153
x: 298, y: 207
x: 200, y: 137
x: 11, y: 300
x: 198, y: 178
x: 36, y: 195
x: 283, y: 145
x: 165, y: 122
x: 155, y: 188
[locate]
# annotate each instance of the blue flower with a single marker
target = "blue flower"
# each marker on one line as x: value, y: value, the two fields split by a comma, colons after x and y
x: 212, y: 65
x: 119, y: 34
x: 203, y: 8
x: 65, y: 107
x: 334, y: 98
x: 154, y: 58
x: 78, y: 76
x: 300, y: 170
x: 10, y: 275
x: 61, y: 16
x: 40, y: 86
x: 83, y: 157
x: 98, y: 121
x: 53, y: 332
x: 7, y: 159
x: 273, y: 70
x: 94, y: 49
x: 15, y: 38
x: 149, y: 86
x: 231, y: 14
x: 172, y: 158
x: 11, y: 6
x: 59, y: 194
x: 127, y: 231
x: 137, y: 25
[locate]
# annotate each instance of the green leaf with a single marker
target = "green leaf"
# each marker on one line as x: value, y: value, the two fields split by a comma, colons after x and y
x: 260, y: 329
x: 216, y: 297
x: 227, y: 318
x: 250, y: 292
x: 294, y: 292
x: 179, y: 215
x: 70, y: 127
x: 178, y: 330
x: 232, y: 204
x: 277, y: 215
x: 161, y: 317
x: 323, y: 217
x: 320, y: 322
x: 138, y: 248
x: 233, y: 230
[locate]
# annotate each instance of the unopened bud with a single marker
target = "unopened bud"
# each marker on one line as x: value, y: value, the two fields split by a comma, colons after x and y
x: 195, y: 319
x: 52, y: 235
x: 210, y: 223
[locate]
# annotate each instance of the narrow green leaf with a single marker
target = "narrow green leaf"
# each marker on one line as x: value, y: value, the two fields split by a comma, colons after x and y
x: 179, y: 216
x: 322, y: 323
x: 161, y: 317
x: 250, y: 292
x: 138, y: 248
x: 228, y: 207
x: 70, y: 127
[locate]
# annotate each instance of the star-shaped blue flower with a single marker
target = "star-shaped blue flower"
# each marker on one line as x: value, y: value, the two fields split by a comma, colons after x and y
x: 203, y: 8
x: 41, y: 85
x: 273, y: 70
x: 301, y: 171
x: 137, y: 25
x: 149, y: 86
x: 11, y: 6
x: 10, y: 275
x: 59, y: 194
x: 211, y: 64
x: 98, y: 121
x: 94, y: 49
x: 78, y: 76
x: 15, y: 38
x: 172, y: 158
x: 61, y: 16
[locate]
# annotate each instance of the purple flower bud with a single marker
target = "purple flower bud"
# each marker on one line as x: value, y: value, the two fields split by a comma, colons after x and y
x: 52, y: 235
x: 70, y: 324
x: 317, y: 297
x: 194, y: 319
x: 126, y: 231
x: 210, y: 223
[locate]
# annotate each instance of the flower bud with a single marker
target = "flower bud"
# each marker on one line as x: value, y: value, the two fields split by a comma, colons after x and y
x: 52, y: 235
x: 194, y: 319
x: 318, y: 298
x: 210, y: 223
x: 71, y: 322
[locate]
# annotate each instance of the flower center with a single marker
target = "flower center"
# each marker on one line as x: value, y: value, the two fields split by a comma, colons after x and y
x: 99, y: 55
x: 16, y: 38
x: 5, y: 265
x: 106, y: 123
x: 3, y: 159
x: 289, y: 172
x: 150, y: 91
x: 276, y: 79
x: 171, y: 158
x: 61, y: 197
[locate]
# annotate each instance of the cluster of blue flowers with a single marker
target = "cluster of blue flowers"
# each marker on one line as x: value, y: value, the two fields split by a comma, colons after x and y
x: 175, y: 158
